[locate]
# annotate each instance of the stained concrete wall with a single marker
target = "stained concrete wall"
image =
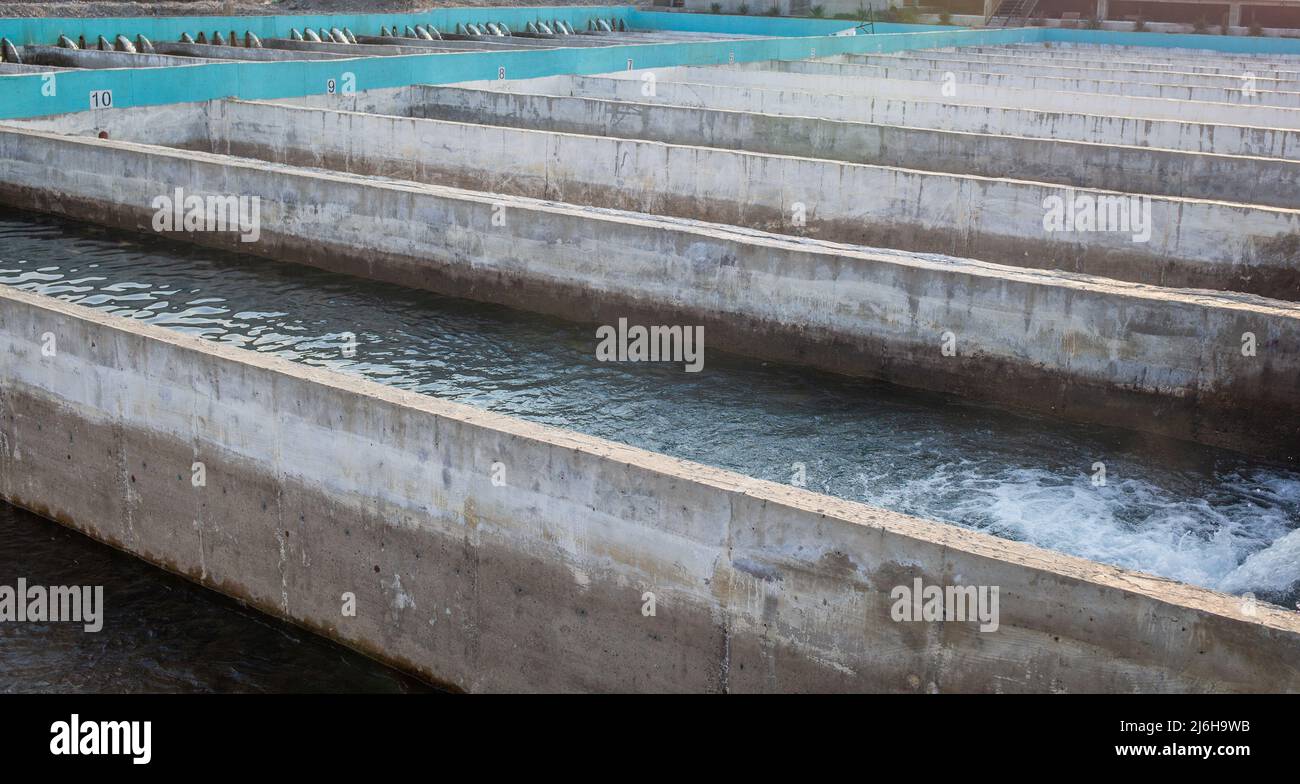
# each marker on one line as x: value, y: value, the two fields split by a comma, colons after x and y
x: 240, y: 52
x: 22, y: 68
x: 1162, y: 48
x: 1192, y: 243
x: 319, y: 485
x: 1114, y: 167
x: 1032, y: 79
x: 1285, y: 70
x: 349, y: 50
x: 987, y: 95
x: 1075, y: 125
x: 1150, y: 359
x: 1211, y: 62
x: 1047, y: 66
x: 94, y: 58
x: 178, y: 124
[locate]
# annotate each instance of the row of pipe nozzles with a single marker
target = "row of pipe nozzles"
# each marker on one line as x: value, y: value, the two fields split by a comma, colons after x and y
x: 332, y: 35
x: 9, y: 54
x: 251, y: 40
x: 143, y: 45
x: 120, y: 43
x: 490, y: 29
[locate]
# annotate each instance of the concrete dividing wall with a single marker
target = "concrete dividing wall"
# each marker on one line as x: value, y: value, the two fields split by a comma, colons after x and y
x: 444, y: 44
x: 1218, y: 62
x: 176, y: 125
x: 1031, y: 79
x: 1106, y: 166
x: 242, y: 52
x: 1120, y: 59
x: 363, y: 48
x: 935, y: 113
x: 1189, y: 243
x: 21, y: 68
x: 96, y: 59
x: 985, y: 95
x: 1149, y: 359
x: 319, y: 485
x: 957, y: 61
x: 1205, y: 45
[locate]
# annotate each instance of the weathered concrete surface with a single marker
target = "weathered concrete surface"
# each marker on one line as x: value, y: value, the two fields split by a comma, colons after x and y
x: 347, y: 50
x: 19, y: 68
x: 1100, y: 128
x: 320, y: 485
x: 1063, y: 50
x: 1217, y: 63
x: 1150, y: 359
x: 1246, y: 179
x: 1192, y: 243
x: 94, y: 58
x: 212, y: 51
x: 178, y: 124
x: 448, y: 44
x: 985, y: 95
x: 1031, y: 79
x: 1189, y: 243
x: 1047, y: 66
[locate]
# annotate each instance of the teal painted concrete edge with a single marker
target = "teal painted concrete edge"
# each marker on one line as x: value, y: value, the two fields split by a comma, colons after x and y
x: 46, y: 30
x: 32, y: 95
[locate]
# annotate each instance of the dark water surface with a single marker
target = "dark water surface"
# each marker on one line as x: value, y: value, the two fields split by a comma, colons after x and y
x: 1200, y: 515
x: 161, y: 633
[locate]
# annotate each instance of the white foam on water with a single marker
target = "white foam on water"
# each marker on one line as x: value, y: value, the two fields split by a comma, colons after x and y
x: 1240, y: 540
x: 1275, y: 569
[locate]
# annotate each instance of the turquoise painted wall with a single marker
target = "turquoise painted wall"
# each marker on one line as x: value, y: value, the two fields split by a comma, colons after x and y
x: 27, y: 95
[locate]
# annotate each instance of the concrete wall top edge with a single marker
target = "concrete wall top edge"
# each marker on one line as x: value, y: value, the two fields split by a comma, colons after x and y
x: 833, y: 511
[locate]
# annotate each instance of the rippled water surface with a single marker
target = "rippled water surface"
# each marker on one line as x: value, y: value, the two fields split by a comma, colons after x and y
x: 1199, y: 515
